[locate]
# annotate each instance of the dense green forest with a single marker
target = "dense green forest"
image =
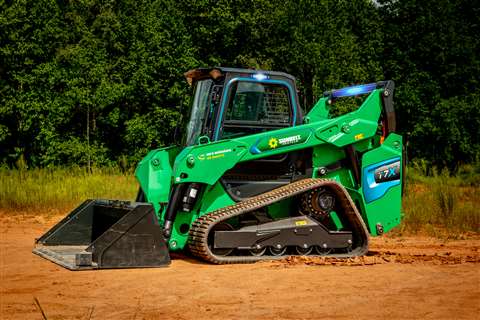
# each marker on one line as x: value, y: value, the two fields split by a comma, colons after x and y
x: 102, y: 81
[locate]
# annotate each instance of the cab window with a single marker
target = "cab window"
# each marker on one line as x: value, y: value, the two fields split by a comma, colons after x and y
x: 255, y: 107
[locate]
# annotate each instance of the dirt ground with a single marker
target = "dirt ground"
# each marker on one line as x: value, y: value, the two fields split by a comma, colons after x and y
x: 402, y: 278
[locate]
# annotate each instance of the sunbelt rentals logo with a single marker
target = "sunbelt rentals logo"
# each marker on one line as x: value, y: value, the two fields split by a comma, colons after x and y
x: 273, y: 143
x: 290, y: 140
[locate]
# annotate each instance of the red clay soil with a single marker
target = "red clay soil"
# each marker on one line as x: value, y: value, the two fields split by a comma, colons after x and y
x: 401, y: 278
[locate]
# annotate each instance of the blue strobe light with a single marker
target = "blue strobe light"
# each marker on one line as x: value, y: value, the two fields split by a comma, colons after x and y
x: 354, y: 90
x: 260, y: 76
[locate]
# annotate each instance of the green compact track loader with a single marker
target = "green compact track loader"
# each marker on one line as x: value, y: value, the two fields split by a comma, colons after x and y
x: 254, y: 178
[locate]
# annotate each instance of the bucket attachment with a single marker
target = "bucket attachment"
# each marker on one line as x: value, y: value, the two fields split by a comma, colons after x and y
x: 103, y: 234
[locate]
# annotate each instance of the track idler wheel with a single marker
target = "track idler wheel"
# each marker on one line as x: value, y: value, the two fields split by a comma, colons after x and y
x: 278, y: 251
x: 322, y: 250
x: 303, y: 251
x: 222, y: 226
x: 258, y: 252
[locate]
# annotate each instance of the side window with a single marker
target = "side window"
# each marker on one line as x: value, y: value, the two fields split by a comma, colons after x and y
x: 256, y: 107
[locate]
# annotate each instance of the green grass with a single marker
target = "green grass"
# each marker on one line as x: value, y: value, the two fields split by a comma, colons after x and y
x: 441, y: 204
x: 47, y: 189
x: 435, y: 204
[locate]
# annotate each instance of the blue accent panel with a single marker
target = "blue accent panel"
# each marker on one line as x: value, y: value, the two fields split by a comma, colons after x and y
x: 354, y: 90
x: 254, y: 149
x: 373, y: 190
x: 266, y: 81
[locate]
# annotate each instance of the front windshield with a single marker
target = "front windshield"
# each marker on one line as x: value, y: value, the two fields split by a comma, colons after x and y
x: 199, y: 111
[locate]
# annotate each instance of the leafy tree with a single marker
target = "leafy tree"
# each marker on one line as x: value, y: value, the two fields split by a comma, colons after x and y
x: 431, y: 51
x: 326, y: 44
x: 92, y: 81
x: 68, y: 98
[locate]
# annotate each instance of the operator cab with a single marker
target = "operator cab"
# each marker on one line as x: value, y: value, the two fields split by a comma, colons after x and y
x: 231, y: 103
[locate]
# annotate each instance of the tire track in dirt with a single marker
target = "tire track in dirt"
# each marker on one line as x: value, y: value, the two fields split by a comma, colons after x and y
x: 378, y: 257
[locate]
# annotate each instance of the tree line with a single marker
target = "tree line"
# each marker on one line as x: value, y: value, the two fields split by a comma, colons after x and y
x: 101, y: 81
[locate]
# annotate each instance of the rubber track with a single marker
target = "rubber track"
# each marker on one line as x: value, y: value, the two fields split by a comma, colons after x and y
x: 198, y: 234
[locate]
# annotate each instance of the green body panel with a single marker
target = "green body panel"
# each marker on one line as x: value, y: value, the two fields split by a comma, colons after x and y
x: 208, y: 162
x: 327, y: 138
x: 351, y: 127
x: 154, y: 174
x: 213, y: 198
x: 387, y: 209
x: 336, y: 220
x: 178, y: 240
x: 326, y: 154
x: 320, y: 111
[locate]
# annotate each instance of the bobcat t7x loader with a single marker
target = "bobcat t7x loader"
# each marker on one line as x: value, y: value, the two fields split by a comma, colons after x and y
x: 254, y: 179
